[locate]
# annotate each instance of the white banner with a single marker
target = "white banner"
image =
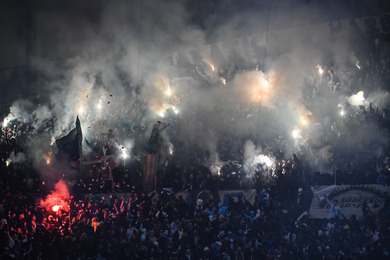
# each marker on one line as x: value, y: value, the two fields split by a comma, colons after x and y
x: 350, y: 199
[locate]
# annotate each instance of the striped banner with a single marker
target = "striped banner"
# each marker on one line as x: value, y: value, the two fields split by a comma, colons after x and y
x: 150, y: 171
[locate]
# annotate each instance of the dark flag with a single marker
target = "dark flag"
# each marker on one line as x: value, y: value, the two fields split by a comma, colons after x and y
x: 70, y: 146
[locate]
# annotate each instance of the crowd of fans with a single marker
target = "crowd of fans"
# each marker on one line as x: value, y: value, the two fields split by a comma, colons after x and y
x: 160, y: 223
x: 165, y: 226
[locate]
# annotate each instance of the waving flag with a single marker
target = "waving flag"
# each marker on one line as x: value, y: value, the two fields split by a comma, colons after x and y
x: 70, y: 146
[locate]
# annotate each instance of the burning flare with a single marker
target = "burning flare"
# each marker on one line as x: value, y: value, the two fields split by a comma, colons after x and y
x: 223, y: 80
x: 81, y: 109
x: 47, y: 157
x: 57, y: 199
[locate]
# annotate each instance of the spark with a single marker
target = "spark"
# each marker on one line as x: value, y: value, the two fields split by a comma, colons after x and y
x: 47, y: 157
x: 56, y: 208
x: 81, y: 109
x: 7, y: 162
x: 212, y: 67
x: 170, y: 150
x: 175, y: 110
x: 357, y: 65
x: 169, y: 92
x: 304, y: 121
x: 342, y: 112
x: 320, y: 70
x: 99, y: 106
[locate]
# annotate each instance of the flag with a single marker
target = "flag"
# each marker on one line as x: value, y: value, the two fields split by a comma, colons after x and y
x: 70, y: 146
x: 150, y: 171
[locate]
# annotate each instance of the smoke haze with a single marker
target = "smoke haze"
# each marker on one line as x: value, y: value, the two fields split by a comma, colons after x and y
x: 117, y: 70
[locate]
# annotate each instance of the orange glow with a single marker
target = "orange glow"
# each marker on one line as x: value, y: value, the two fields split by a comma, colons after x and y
x: 47, y: 157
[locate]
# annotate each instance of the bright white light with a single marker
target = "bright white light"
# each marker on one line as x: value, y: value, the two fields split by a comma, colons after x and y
x: 175, y: 110
x: 342, y: 112
x: 268, y: 161
x: 99, y: 106
x: 212, y: 67
x: 223, y: 80
x: 304, y: 121
x: 81, y: 110
x: 124, y: 152
x: 169, y: 92
x: 170, y: 150
x: 295, y: 133
x: 125, y: 155
x: 161, y: 114
x: 266, y: 84
x: 320, y: 70
x: 5, y: 122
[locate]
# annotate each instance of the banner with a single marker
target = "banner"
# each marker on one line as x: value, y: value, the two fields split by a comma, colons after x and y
x: 350, y: 199
x: 224, y: 196
x: 150, y: 171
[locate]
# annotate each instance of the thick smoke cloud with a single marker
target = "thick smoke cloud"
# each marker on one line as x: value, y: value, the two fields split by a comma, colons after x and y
x: 119, y: 75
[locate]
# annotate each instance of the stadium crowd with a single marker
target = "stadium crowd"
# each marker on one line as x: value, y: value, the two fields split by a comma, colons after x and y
x: 163, y: 224
x: 168, y: 226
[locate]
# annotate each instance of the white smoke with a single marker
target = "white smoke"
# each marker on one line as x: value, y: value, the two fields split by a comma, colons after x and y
x: 17, y: 158
x: 253, y: 157
x: 357, y: 99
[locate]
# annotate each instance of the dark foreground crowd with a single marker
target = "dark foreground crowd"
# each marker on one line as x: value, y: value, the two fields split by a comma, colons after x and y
x: 167, y: 226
